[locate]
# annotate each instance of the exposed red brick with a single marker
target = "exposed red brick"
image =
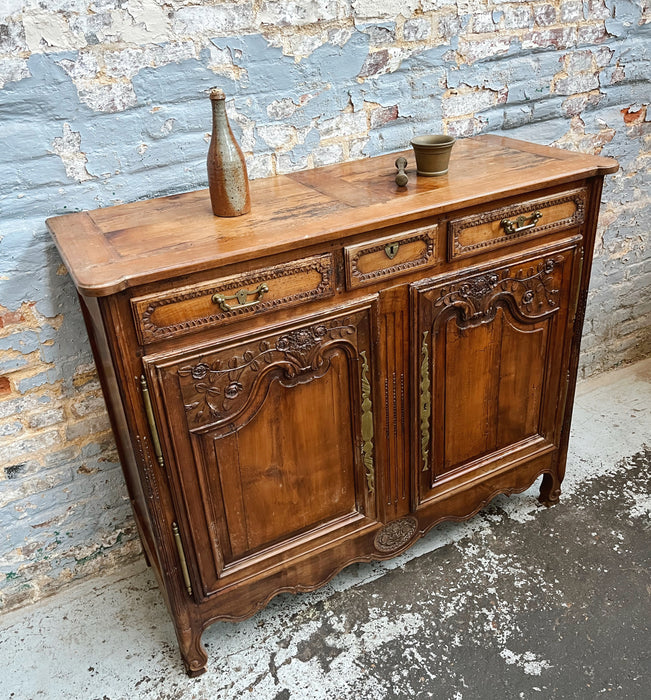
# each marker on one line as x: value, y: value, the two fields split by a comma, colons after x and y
x: 375, y: 63
x: 592, y: 34
x: 5, y: 386
x: 634, y: 117
x: 544, y: 15
x: 383, y: 115
x: 462, y: 128
x: 575, y: 105
x: 10, y: 317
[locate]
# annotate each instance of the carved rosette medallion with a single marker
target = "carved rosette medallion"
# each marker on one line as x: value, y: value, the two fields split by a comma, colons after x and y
x: 302, y: 340
x: 479, y: 286
x: 396, y: 534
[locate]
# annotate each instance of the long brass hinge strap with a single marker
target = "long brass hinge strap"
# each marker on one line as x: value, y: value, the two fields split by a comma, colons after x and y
x: 425, y: 402
x: 184, y: 564
x: 367, y: 426
x: 150, y: 420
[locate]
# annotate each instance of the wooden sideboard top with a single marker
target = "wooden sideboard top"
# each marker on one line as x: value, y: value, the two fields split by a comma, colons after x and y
x: 108, y: 250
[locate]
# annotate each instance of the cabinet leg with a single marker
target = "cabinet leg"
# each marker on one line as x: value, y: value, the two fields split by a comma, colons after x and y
x: 550, y: 490
x: 192, y: 651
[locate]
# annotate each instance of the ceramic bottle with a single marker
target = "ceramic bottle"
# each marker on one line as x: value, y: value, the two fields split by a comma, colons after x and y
x: 228, y: 181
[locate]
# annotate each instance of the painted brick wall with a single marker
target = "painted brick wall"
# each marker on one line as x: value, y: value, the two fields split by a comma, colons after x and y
x: 103, y: 101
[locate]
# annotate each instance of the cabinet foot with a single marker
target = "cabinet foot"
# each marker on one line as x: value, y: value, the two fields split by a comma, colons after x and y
x: 550, y: 490
x: 193, y: 653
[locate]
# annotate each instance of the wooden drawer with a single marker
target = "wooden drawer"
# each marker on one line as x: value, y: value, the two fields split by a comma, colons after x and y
x: 389, y: 256
x: 529, y: 218
x: 195, y: 307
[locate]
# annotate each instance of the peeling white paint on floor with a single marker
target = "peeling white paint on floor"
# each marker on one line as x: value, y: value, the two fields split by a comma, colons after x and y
x: 112, y: 637
x: 528, y: 661
x: 641, y: 506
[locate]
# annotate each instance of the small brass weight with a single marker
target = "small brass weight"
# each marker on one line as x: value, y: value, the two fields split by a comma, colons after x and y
x: 401, y: 176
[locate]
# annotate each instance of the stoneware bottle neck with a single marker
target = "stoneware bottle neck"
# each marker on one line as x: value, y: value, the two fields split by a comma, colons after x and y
x: 219, y: 116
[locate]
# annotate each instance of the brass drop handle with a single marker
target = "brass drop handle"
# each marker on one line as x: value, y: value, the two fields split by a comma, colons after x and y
x: 241, y: 296
x: 511, y: 227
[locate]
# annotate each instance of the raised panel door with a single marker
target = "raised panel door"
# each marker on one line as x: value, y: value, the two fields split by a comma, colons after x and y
x: 269, y: 442
x: 493, y: 353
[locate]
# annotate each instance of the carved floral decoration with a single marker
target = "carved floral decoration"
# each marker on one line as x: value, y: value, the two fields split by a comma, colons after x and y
x: 217, y: 389
x: 534, y: 290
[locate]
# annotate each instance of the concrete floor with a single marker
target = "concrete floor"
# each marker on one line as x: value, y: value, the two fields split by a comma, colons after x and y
x: 519, y: 602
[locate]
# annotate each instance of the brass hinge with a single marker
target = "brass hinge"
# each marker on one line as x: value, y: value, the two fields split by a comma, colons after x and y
x: 155, y: 440
x: 425, y: 402
x: 184, y: 564
x: 150, y: 420
x: 367, y: 426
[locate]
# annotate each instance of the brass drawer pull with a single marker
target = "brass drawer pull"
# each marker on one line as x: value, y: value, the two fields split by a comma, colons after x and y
x: 391, y: 249
x: 241, y: 297
x: 518, y: 225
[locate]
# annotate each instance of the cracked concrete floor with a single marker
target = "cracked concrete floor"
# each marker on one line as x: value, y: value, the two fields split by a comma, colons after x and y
x: 519, y: 602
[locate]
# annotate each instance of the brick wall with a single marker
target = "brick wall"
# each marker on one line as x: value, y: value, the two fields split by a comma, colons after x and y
x: 104, y: 102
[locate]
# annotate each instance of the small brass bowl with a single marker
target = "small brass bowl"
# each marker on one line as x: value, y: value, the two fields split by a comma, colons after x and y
x: 432, y: 153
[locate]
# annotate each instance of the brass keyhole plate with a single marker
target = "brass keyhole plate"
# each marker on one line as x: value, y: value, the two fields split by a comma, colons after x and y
x: 391, y: 250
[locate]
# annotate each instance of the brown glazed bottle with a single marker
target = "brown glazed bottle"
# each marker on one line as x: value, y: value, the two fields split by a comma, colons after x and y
x: 227, y: 177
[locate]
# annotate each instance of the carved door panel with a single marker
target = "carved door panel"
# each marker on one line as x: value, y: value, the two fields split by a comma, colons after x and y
x: 269, y: 442
x: 493, y: 355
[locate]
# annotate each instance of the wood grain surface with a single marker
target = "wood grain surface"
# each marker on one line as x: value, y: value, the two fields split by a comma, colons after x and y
x: 110, y: 249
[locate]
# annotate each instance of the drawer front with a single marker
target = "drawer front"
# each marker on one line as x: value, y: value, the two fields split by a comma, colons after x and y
x: 195, y: 307
x: 530, y: 218
x: 389, y: 256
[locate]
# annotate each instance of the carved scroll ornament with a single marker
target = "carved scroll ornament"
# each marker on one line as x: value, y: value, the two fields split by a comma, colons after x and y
x: 531, y: 291
x: 215, y: 390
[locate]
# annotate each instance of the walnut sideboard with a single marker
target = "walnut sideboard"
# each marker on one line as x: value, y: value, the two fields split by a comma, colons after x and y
x: 321, y: 381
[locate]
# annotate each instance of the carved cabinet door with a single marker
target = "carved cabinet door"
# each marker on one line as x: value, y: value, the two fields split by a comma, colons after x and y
x: 493, y: 352
x: 268, y: 442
